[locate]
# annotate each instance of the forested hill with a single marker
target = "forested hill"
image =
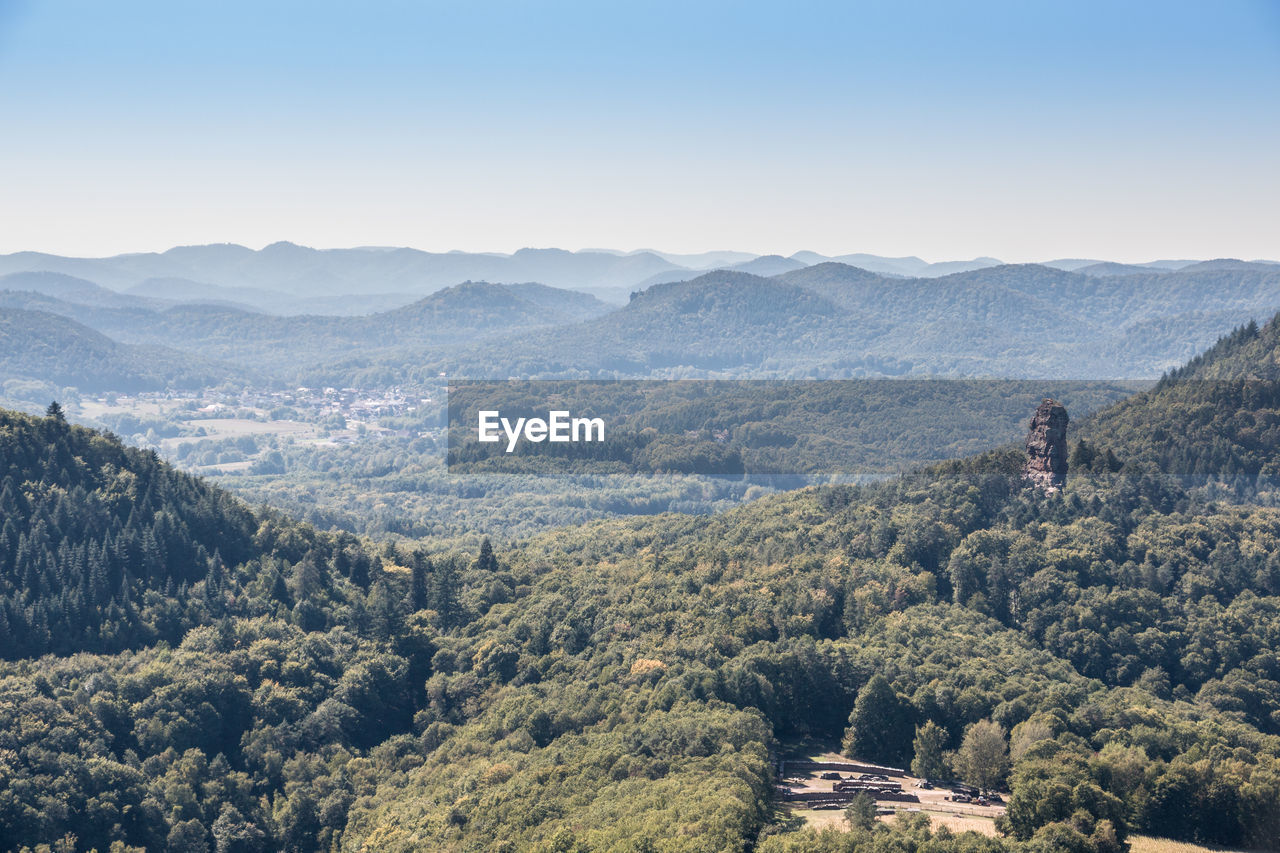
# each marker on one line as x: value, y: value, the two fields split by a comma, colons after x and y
x: 722, y: 321
x: 1120, y: 636
x: 279, y: 345
x: 1248, y: 353
x: 831, y: 320
x: 1108, y: 650
x: 104, y: 547
x: 50, y: 348
x: 828, y: 320
x: 1215, y: 421
x: 71, y: 289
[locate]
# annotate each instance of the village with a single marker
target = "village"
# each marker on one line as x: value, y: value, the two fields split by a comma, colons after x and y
x: 302, y: 403
x: 225, y: 430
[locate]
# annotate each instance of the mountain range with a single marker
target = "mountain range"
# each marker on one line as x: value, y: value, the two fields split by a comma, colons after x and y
x: 827, y: 320
x: 833, y: 320
x: 288, y: 278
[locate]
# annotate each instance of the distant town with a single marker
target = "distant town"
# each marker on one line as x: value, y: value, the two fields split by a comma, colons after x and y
x: 221, y: 430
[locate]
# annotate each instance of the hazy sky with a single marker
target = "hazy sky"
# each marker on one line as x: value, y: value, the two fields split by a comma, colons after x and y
x: 1024, y: 130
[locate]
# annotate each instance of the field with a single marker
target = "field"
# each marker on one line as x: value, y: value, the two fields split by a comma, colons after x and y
x: 1147, y: 844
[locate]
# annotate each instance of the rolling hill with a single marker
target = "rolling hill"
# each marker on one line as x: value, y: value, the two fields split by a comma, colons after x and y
x: 629, y: 685
x: 1119, y: 635
x: 723, y: 320
x: 1013, y: 320
x: 826, y: 320
x: 71, y: 289
x: 46, y: 347
x: 278, y: 345
x: 287, y: 278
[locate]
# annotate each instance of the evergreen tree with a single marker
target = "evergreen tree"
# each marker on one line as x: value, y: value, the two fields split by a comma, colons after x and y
x: 880, y: 725
x: 419, y: 592
x: 927, y: 749
x: 486, y: 561
x: 384, y: 616
x: 446, y: 592
x: 861, y: 811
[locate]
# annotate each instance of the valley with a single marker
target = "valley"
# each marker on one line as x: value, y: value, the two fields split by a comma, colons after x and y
x: 689, y: 427
x: 330, y: 640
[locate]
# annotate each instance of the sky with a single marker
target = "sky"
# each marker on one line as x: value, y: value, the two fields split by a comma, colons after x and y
x: 1022, y: 130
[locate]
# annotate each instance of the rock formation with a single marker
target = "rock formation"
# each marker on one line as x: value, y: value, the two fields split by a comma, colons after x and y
x: 1046, y: 466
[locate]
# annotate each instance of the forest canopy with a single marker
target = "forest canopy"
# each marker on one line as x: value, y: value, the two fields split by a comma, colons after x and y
x: 185, y: 672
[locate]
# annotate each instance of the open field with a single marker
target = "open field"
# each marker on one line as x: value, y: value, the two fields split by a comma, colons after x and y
x: 95, y: 409
x: 1147, y: 844
x: 238, y: 427
x: 959, y: 822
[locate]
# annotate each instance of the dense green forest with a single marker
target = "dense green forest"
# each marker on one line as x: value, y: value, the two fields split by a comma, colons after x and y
x: 824, y: 431
x: 244, y: 682
x: 818, y: 432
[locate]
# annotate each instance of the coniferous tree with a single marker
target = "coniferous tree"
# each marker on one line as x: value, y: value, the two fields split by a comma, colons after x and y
x: 880, y: 725
x: 384, y: 621
x: 446, y: 591
x: 419, y: 580
x: 930, y: 743
x: 486, y: 561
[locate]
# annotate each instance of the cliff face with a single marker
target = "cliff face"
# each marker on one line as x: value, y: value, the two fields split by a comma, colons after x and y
x: 1046, y: 466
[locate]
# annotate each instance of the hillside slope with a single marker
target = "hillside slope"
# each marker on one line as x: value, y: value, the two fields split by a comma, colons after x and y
x: 1220, y: 421
x: 730, y: 321
x: 626, y: 685
x: 1122, y: 632
x: 169, y: 582
x: 71, y: 289
x: 265, y: 342
x: 50, y: 348
x: 1012, y: 320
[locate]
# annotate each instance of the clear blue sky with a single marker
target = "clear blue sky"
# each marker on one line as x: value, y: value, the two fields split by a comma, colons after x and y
x: 1025, y: 130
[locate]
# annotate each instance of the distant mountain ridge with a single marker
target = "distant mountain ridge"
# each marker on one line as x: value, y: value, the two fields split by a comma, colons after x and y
x: 786, y: 320
x: 72, y: 289
x: 455, y: 316
x: 1022, y: 320
x: 287, y: 278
